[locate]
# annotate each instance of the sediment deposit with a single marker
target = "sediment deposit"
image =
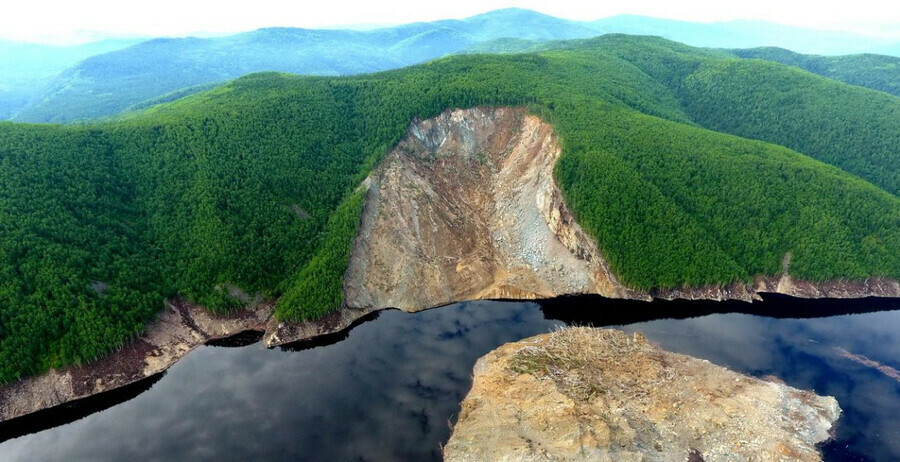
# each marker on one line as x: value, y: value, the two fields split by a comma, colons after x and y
x: 602, y: 395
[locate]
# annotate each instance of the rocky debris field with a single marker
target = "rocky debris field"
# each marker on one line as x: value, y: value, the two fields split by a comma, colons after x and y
x: 602, y: 395
x: 466, y: 207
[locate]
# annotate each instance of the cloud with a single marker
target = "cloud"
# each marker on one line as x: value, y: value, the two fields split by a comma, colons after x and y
x: 67, y: 21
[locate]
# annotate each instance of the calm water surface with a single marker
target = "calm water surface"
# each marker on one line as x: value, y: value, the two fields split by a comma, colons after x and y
x: 389, y: 388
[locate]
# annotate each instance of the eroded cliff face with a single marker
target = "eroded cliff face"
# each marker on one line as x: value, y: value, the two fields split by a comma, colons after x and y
x: 466, y: 207
x: 601, y: 395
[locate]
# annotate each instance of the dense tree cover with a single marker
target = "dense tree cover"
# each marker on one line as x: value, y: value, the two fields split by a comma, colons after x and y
x: 76, y: 275
x: 715, y: 203
x: 253, y: 186
x: 878, y: 72
x: 853, y: 128
x: 316, y: 289
x: 860, y: 129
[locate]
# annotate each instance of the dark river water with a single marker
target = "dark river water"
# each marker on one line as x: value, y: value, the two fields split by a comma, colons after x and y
x: 389, y: 388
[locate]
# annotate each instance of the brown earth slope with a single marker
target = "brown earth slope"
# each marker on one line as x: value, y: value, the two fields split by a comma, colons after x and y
x: 601, y: 395
x: 179, y: 329
x: 466, y: 207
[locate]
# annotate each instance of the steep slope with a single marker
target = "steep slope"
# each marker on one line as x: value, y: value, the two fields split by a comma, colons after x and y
x: 466, y: 207
x: 249, y: 191
x: 877, y: 72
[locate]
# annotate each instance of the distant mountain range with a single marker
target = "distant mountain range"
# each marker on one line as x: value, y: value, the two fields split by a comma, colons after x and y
x: 749, y: 34
x: 98, y: 80
x: 27, y: 68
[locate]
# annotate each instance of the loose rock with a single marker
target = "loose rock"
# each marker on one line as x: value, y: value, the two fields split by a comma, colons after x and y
x: 593, y: 394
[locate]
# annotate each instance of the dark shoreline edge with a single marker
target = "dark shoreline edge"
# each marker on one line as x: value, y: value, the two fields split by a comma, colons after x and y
x: 72, y: 411
x: 584, y: 310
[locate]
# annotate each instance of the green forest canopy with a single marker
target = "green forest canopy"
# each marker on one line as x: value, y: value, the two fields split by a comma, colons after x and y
x: 878, y: 72
x: 252, y: 185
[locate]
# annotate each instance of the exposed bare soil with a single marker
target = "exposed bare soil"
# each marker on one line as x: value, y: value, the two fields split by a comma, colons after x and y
x: 466, y: 207
x: 594, y: 394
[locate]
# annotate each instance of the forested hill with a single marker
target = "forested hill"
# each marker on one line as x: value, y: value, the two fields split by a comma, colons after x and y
x: 873, y: 71
x: 856, y: 129
x: 878, y: 72
x: 110, y: 83
x: 107, y: 84
x: 250, y: 186
x: 26, y: 68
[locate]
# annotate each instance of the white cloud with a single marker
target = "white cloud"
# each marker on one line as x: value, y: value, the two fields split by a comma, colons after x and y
x: 66, y: 20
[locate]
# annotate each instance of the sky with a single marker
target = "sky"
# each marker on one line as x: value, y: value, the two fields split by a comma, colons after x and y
x: 68, y: 21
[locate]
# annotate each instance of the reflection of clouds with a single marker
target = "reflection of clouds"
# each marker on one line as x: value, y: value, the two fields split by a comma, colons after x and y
x: 388, y: 390
x: 876, y: 334
x: 391, y: 385
x: 733, y: 340
x: 872, y: 405
x: 802, y: 353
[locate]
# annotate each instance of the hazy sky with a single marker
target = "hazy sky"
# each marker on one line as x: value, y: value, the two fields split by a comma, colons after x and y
x: 78, y: 20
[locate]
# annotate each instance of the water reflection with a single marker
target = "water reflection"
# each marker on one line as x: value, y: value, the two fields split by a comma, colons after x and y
x: 387, y: 389
x: 805, y: 354
x: 70, y: 412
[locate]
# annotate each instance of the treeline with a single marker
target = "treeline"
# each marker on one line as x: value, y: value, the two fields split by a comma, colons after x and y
x: 855, y: 129
x: 252, y: 186
x: 878, y: 72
